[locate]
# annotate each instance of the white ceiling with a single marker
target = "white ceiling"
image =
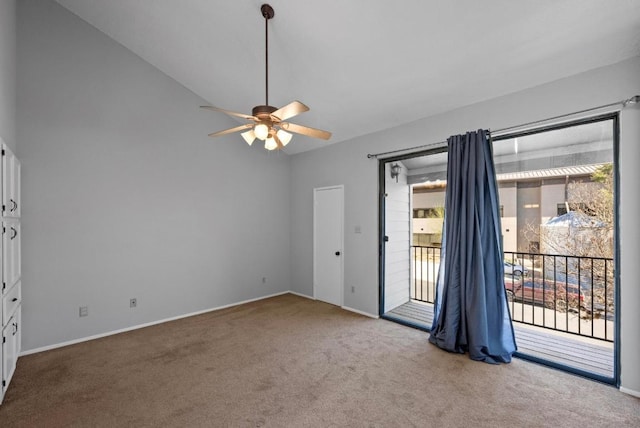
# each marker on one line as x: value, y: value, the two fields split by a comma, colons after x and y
x: 363, y: 65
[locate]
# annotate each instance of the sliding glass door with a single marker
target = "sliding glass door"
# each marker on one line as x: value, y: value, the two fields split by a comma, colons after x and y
x: 558, y: 207
x: 558, y: 201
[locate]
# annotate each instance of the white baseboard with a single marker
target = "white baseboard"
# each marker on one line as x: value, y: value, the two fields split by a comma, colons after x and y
x: 295, y: 293
x: 191, y: 314
x: 346, y: 308
x: 366, y: 314
x: 135, y: 327
x: 630, y: 391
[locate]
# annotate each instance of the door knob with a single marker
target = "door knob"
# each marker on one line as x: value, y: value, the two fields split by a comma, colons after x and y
x: 337, y: 253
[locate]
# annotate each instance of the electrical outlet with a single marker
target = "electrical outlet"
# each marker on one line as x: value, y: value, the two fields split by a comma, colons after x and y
x: 84, y: 311
x: 353, y: 289
x: 264, y: 279
x: 133, y: 303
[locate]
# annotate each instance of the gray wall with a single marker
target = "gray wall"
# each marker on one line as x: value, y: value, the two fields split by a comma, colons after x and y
x: 347, y: 163
x: 8, y: 72
x: 124, y: 195
x: 630, y: 243
x: 344, y: 164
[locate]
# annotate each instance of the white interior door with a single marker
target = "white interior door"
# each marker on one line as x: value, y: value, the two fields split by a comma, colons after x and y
x: 328, y: 241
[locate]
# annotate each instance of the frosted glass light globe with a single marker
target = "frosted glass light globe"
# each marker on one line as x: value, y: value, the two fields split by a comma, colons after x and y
x: 261, y: 131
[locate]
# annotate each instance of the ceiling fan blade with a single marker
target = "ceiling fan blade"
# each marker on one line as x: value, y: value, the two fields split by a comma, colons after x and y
x: 230, y: 113
x: 305, y: 130
x: 292, y: 109
x: 231, y: 130
x: 278, y: 142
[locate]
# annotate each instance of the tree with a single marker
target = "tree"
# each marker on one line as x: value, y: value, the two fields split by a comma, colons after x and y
x: 594, y: 201
x: 585, y: 236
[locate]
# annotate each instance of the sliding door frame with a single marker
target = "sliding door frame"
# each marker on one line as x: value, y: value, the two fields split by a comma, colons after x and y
x: 615, y: 118
x: 615, y: 380
x: 382, y: 162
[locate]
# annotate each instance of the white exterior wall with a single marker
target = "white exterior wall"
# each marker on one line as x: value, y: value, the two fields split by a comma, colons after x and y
x: 398, y: 248
x: 550, y: 196
x: 427, y: 225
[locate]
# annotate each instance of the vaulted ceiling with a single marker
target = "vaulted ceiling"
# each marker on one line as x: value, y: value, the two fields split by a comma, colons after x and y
x: 362, y: 65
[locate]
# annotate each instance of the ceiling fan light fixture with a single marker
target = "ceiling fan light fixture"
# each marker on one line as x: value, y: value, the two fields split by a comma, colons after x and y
x: 261, y: 131
x: 284, y: 136
x: 270, y: 144
x: 249, y: 136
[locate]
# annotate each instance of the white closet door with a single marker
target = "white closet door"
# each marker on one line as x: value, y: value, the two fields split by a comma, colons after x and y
x: 11, y: 242
x: 10, y: 183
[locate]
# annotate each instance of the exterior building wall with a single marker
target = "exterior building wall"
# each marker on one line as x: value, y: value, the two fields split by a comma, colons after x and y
x: 525, y: 206
x: 427, y: 232
x: 550, y: 196
x: 431, y: 199
x: 509, y: 203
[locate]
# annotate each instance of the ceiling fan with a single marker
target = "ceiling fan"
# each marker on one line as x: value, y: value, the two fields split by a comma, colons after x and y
x: 267, y: 123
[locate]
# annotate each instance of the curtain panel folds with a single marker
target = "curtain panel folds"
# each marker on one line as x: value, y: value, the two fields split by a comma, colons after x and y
x: 471, y: 313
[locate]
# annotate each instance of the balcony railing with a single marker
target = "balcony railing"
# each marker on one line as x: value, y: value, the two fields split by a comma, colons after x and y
x: 566, y: 293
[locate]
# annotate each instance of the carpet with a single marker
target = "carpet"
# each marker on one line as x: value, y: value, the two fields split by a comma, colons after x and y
x: 288, y: 361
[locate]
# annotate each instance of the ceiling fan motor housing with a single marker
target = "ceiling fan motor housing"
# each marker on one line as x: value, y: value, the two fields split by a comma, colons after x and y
x: 263, y: 113
x: 257, y: 111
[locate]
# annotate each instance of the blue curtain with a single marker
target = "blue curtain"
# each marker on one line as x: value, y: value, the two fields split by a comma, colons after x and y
x: 471, y: 313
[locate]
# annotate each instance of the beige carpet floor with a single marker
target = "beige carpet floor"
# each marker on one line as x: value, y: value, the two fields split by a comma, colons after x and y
x: 293, y: 362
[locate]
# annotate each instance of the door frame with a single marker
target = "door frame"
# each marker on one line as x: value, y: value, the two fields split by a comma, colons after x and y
x: 382, y: 184
x: 342, y: 252
x: 615, y: 118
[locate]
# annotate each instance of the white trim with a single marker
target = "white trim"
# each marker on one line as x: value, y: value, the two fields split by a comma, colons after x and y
x: 135, y: 327
x: 306, y: 296
x: 191, y: 314
x: 346, y: 308
x: 630, y: 391
x: 366, y: 314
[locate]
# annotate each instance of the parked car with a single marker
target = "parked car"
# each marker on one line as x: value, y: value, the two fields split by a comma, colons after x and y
x: 558, y: 295
x: 514, y: 269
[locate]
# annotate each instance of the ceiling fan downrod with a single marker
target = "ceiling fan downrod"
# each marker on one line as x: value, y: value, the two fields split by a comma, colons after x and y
x: 268, y: 13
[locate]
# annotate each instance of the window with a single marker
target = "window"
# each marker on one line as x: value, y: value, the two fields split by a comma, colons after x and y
x: 562, y: 209
x: 578, y: 207
x: 560, y: 181
x: 437, y: 212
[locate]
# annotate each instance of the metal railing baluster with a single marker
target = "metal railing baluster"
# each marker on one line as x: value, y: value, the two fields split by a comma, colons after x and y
x: 540, y: 274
